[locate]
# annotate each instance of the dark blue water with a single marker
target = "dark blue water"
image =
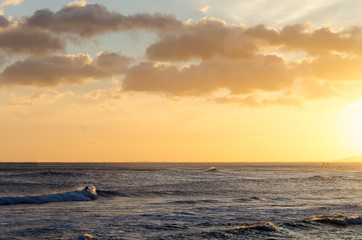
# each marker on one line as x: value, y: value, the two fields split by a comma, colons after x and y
x: 180, y: 201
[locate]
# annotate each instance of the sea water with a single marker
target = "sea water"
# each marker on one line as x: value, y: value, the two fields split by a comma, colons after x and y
x: 180, y: 201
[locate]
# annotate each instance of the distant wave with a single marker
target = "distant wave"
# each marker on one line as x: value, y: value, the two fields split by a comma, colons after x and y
x: 261, y: 227
x: 193, y: 202
x: 87, y: 194
x: 211, y: 169
x: 337, y: 220
x: 107, y: 193
x: 249, y: 199
x: 48, y: 173
x: 84, y: 237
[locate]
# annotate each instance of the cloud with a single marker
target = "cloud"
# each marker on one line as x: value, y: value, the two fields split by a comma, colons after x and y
x: 206, y: 39
x: 318, y: 90
x: 105, y: 94
x: 332, y: 67
x: 41, y: 33
x: 10, y: 2
x: 235, y: 58
x: 204, y: 9
x: 256, y: 101
x: 50, y: 96
x: 80, y: 3
x: 47, y: 32
x: 314, y: 78
x: 240, y: 59
x: 92, y: 19
x: 210, y: 38
x: 269, y: 73
x: 63, y: 70
x: 4, y: 22
x: 96, y: 94
x: 319, y: 41
x: 34, y: 41
x: 302, y: 37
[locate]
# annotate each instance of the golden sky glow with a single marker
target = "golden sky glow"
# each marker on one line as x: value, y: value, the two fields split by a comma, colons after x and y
x: 104, y: 81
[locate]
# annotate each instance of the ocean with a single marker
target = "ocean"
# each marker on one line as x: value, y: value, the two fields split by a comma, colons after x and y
x: 180, y: 201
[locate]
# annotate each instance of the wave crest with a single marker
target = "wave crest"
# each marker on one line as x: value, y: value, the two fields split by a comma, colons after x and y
x: 84, y: 237
x: 211, y: 169
x: 261, y: 227
x: 337, y: 220
x: 86, y: 194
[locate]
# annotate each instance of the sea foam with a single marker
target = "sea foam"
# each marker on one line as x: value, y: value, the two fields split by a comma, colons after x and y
x: 86, y: 194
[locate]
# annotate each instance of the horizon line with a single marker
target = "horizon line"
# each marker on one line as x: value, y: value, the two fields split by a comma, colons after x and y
x: 256, y: 162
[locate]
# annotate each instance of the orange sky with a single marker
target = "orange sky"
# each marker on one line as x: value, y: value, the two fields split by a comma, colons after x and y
x: 88, y: 81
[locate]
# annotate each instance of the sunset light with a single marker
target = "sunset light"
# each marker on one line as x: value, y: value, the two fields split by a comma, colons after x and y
x: 192, y: 119
x: 110, y: 82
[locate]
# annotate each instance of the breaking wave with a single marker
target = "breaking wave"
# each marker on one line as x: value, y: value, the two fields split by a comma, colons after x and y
x: 337, y: 220
x: 86, y: 194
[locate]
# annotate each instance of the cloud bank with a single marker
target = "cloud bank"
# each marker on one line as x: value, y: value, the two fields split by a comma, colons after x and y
x: 188, y: 58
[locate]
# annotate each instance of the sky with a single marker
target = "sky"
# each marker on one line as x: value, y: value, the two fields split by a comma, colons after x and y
x: 190, y: 81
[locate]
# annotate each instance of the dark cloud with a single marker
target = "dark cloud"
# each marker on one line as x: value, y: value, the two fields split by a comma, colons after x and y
x: 206, y: 39
x: 63, y: 70
x: 93, y: 19
x: 4, y: 22
x: 41, y: 33
x: 34, y: 41
x: 210, y: 38
x: 269, y: 73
